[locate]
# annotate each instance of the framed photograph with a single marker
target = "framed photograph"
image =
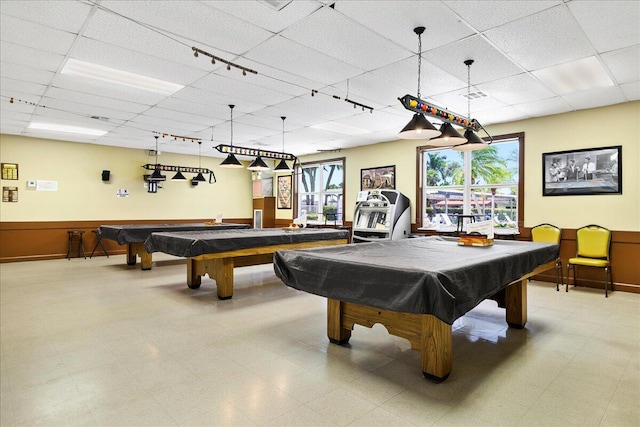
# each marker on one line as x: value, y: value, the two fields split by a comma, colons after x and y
x: 284, y: 192
x: 587, y: 171
x: 380, y: 178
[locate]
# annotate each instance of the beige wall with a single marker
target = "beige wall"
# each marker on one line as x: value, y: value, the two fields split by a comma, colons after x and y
x: 598, y: 127
x: 81, y: 195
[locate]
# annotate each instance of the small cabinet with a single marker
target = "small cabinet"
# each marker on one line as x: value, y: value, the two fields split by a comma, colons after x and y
x: 264, y: 212
x: 381, y: 215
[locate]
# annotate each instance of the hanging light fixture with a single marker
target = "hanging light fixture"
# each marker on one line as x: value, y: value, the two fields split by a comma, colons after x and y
x: 156, y: 175
x: 231, y: 161
x: 449, y: 136
x: 474, y: 142
x: 419, y: 127
x: 178, y: 176
x: 258, y: 165
x: 282, y: 165
x: 199, y: 177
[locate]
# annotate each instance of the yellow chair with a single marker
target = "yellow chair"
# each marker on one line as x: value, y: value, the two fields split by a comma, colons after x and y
x: 547, y: 233
x: 593, y: 248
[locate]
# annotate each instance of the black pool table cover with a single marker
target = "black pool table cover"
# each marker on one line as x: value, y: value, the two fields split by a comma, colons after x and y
x: 429, y: 275
x: 125, y: 234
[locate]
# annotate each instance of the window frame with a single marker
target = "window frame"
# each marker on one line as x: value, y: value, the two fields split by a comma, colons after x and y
x: 321, y: 192
x: 420, y: 150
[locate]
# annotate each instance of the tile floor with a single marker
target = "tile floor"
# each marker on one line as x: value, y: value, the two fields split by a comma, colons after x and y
x: 98, y: 343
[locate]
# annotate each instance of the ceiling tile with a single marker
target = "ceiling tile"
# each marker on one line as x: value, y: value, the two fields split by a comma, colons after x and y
x: 608, y: 27
x: 500, y: 115
x: 29, y: 57
x: 262, y: 15
x: 624, y: 64
x: 547, y: 38
x: 191, y: 21
x: 485, y: 14
x: 544, y: 107
x: 631, y: 90
x: 489, y: 63
x: 595, y: 98
x: 60, y: 14
x: 516, y: 89
x: 89, y: 99
x: 18, y: 86
x: 333, y: 34
x: 243, y: 90
x: 41, y: 37
x: 395, y: 20
x: 27, y: 74
x: 295, y: 58
x: 106, y: 90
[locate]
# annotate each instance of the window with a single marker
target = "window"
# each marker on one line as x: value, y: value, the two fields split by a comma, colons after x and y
x: 489, y: 187
x: 320, y: 191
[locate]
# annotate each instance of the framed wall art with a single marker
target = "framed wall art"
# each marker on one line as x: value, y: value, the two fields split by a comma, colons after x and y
x: 383, y: 178
x: 586, y: 171
x: 284, y: 192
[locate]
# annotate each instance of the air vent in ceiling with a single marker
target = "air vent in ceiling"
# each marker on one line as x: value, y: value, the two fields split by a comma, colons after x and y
x: 474, y: 95
x: 104, y: 119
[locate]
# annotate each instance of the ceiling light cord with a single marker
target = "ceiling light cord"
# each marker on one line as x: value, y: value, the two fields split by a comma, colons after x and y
x: 419, y: 33
x: 231, y: 107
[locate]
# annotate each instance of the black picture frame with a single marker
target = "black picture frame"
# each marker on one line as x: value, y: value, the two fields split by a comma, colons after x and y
x: 587, y: 171
x: 378, y: 178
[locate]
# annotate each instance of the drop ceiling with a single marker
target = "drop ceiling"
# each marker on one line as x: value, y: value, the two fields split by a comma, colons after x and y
x: 365, y: 51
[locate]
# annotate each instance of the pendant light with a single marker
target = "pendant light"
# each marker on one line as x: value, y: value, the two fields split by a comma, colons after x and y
x: 199, y: 177
x: 178, y: 176
x: 474, y: 142
x: 258, y: 165
x: 156, y: 175
x: 419, y: 127
x: 231, y: 161
x: 282, y: 165
x: 449, y: 137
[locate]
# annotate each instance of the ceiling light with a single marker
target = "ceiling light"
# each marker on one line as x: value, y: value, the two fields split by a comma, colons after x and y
x: 179, y: 176
x: 449, y: 136
x: 66, y: 129
x: 419, y: 127
x: 473, y: 141
x: 199, y: 178
x: 231, y: 161
x: 75, y: 67
x: 575, y: 76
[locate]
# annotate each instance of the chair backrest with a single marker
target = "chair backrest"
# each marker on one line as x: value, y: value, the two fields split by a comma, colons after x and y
x: 546, y: 233
x: 593, y: 241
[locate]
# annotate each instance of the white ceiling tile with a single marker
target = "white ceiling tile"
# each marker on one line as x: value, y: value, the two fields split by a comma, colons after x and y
x: 243, y: 90
x: 547, y: 38
x: 516, y: 89
x: 27, y: 74
x: 29, y: 57
x: 179, y: 116
x: 17, y: 106
x: 15, y: 86
x: 192, y: 21
x: 359, y: 88
x: 103, y: 89
x: 485, y: 14
x: 61, y: 14
x: 624, y: 64
x: 95, y: 100
x: 396, y: 20
x: 544, y: 107
x: 595, y: 98
x: 114, y: 30
x: 124, y: 59
x: 111, y: 116
x: 489, y: 64
x: 160, y: 125
x: 609, y: 25
x: 456, y: 102
x: 500, y: 115
x: 216, y: 105
x: 631, y: 90
x: 295, y: 58
x: 41, y: 37
x: 260, y: 14
x: 333, y: 34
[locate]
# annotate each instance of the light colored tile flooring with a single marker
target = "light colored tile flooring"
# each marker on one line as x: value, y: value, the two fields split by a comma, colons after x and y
x: 97, y: 342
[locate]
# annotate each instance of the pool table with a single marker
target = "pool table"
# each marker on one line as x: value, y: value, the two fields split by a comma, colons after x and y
x: 416, y: 288
x: 216, y: 253
x: 134, y: 236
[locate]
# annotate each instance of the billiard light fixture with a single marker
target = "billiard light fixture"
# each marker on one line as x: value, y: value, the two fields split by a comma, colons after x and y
x: 420, y: 128
x: 158, y: 168
x: 231, y: 161
x: 282, y: 165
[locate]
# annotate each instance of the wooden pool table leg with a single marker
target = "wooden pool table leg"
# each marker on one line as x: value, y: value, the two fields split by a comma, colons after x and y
x: 335, y: 331
x: 146, y: 259
x: 435, y: 354
x: 516, y: 304
x: 222, y: 272
x: 193, y: 278
x: 131, y: 254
